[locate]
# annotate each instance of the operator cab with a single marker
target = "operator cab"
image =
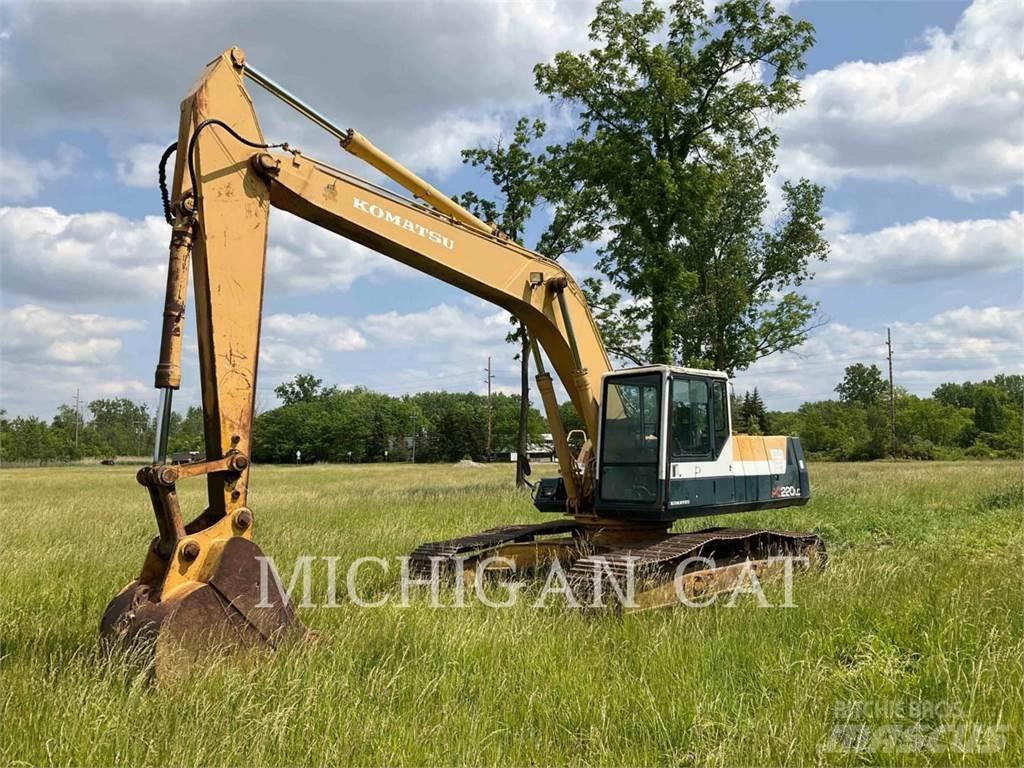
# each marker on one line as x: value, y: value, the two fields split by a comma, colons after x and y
x: 666, y: 450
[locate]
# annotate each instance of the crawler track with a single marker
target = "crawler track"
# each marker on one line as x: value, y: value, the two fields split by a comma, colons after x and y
x: 656, y: 563
x: 478, y: 543
x: 652, y: 563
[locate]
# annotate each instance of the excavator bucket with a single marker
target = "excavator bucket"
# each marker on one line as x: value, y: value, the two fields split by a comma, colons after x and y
x: 241, y: 606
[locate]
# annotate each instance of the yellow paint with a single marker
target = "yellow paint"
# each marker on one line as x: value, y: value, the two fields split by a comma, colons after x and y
x: 756, y: 447
x: 182, y: 574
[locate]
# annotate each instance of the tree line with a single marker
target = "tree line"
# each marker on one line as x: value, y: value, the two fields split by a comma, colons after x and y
x: 358, y: 425
x: 969, y: 420
x: 323, y: 423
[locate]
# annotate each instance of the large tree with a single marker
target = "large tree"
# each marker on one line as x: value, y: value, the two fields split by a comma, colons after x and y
x: 674, y: 140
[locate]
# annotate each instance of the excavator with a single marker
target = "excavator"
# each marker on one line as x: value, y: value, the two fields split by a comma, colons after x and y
x: 657, y: 443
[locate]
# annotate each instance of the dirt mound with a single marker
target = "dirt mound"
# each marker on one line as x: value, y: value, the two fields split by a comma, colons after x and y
x: 469, y: 463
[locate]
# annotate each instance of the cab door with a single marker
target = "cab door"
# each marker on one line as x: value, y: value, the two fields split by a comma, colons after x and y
x: 632, y: 476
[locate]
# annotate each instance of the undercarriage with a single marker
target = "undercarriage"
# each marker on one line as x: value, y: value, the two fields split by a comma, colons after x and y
x: 626, y: 566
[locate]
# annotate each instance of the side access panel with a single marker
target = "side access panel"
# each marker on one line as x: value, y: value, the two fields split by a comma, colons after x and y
x: 771, y: 471
x: 797, y: 456
x: 765, y: 473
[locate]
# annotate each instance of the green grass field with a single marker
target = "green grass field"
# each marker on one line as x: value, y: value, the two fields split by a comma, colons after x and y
x: 922, y: 604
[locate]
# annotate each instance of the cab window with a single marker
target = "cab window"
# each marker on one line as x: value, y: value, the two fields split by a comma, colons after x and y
x: 720, y: 409
x: 631, y: 422
x: 691, y: 419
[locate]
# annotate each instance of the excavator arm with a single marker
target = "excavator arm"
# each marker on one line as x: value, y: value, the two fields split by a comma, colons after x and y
x: 226, y: 179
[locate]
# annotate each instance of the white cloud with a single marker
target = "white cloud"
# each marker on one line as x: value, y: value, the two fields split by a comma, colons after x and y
x: 46, y: 354
x: 405, y: 64
x: 303, y: 258
x: 137, y: 165
x: 102, y: 257
x: 927, y: 249
x: 443, y: 347
x: 293, y: 343
x: 437, y: 147
x: 979, y: 330
x: 335, y: 333
x: 967, y: 343
x: 948, y: 115
x: 30, y: 333
x: 23, y: 179
x: 443, y: 323
x: 82, y: 258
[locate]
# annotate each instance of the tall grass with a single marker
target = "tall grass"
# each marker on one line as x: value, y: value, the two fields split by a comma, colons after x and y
x: 922, y: 602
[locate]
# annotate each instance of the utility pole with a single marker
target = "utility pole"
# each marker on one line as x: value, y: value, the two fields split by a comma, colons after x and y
x: 892, y: 398
x: 414, y: 437
x: 78, y: 415
x: 490, y: 378
x: 140, y: 433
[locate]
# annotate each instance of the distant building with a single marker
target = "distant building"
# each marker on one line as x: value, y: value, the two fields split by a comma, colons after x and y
x: 542, y: 450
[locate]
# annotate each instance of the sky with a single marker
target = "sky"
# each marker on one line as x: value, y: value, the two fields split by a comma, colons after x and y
x: 913, y: 120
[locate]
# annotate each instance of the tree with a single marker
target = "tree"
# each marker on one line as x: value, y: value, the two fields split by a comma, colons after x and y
x: 752, y: 417
x: 834, y: 430
x: 570, y: 418
x: 862, y: 384
x: 1012, y: 386
x: 521, y: 180
x: 65, y: 427
x: 988, y: 411
x: 757, y: 415
x: 966, y: 395
x: 186, y: 433
x: 925, y: 426
x: 26, y: 438
x: 958, y: 395
x: 302, y: 388
x: 120, y: 427
x: 673, y: 141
